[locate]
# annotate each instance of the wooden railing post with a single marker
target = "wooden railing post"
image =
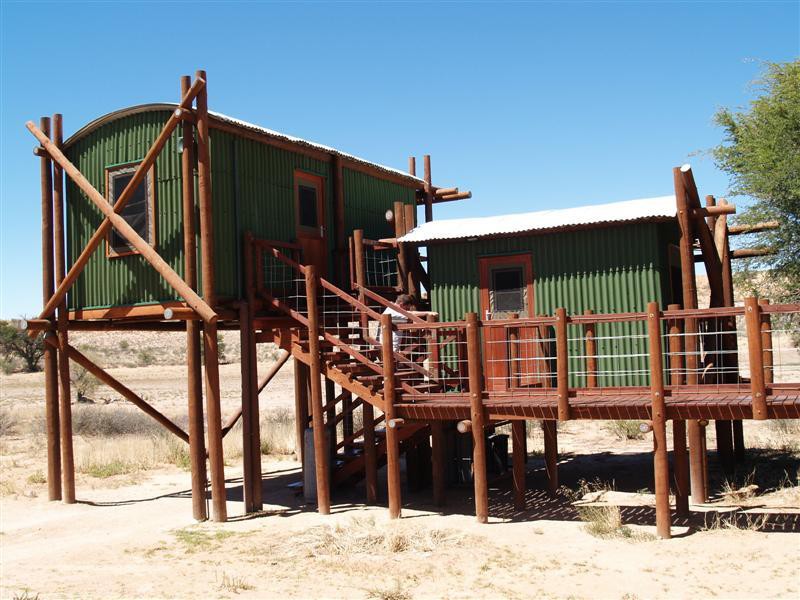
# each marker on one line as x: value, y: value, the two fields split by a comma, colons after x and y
x: 194, y: 368
x: 659, y: 419
x: 590, y: 351
x: 321, y: 449
x: 766, y: 344
x: 402, y: 262
x: 752, y: 317
x: 370, y: 454
x: 478, y: 418
x: 65, y: 393
x: 50, y: 352
x: 680, y: 454
x: 392, y: 442
x: 562, y: 364
x: 361, y: 270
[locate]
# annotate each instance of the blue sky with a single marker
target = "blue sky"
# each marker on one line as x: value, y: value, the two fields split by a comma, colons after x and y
x: 529, y: 105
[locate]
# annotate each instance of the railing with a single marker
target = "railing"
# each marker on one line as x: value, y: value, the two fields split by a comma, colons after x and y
x: 374, y: 264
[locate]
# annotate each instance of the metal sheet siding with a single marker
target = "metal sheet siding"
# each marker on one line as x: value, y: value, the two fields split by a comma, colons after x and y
x: 129, y: 279
x: 613, y: 269
x: 366, y: 200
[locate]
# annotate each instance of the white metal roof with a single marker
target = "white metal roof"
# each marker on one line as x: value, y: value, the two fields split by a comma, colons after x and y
x: 476, y: 227
x: 140, y: 108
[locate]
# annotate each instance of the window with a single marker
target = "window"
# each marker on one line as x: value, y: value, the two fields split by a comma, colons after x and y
x: 309, y: 205
x: 139, y: 211
x: 508, y: 290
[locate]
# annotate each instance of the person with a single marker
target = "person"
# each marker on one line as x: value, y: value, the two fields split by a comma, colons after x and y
x: 406, y: 302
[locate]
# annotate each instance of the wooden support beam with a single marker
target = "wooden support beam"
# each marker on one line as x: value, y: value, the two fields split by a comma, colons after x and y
x: 453, y: 197
x: 302, y: 401
x: 752, y: 252
x: 714, y: 211
x: 194, y: 368
x: 752, y: 318
x: 562, y: 364
x: 321, y: 451
x: 370, y: 454
x: 100, y: 234
x: 680, y: 454
x: 428, y: 188
x: 446, y: 191
x: 392, y: 442
x: 753, y: 228
x: 659, y: 419
x: 251, y: 435
x: 478, y: 417
x: 519, y: 452
x: 219, y: 509
x: 464, y: 426
x: 550, y: 430
x: 412, y: 166
x: 438, y: 459
x: 51, y: 373
x: 65, y: 392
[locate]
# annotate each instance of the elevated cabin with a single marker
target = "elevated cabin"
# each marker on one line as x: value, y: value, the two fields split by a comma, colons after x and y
x: 607, y: 258
x: 276, y: 186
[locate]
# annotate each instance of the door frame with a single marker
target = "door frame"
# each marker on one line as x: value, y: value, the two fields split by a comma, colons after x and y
x: 485, y: 266
x: 314, y: 235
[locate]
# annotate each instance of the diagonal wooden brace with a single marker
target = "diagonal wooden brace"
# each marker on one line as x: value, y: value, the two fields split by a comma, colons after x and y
x: 127, y: 193
x: 112, y: 218
x: 123, y: 390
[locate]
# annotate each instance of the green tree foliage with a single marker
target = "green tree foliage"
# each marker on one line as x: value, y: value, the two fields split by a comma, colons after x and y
x: 761, y: 153
x: 15, y: 343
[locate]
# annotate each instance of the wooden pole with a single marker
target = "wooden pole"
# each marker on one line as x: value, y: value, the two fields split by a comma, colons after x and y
x: 340, y: 236
x: 519, y: 449
x: 100, y: 234
x: 392, y: 442
x: 438, y: 460
x: 321, y: 450
x: 194, y: 368
x: 402, y: 259
x: 513, y: 354
x: 411, y: 252
x: 695, y: 432
x: 752, y: 317
x: 426, y: 160
x: 251, y: 435
x: 370, y: 455
x: 562, y: 364
x: 330, y: 416
x: 590, y: 351
x: 51, y: 372
x: 478, y: 418
x: 659, y: 419
x: 412, y: 166
x: 210, y: 341
x: 301, y: 402
x: 65, y: 393
x: 550, y: 430
x: 680, y: 455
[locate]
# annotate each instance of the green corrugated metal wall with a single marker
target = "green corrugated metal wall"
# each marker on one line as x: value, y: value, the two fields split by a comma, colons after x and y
x: 612, y: 269
x: 253, y: 189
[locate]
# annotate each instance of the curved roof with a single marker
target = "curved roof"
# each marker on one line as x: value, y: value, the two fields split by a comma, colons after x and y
x: 215, y: 116
x: 645, y: 209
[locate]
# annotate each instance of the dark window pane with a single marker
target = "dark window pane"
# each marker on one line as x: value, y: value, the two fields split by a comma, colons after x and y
x: 308, y: 206
x: 136, y: 211
x: 508, y: 290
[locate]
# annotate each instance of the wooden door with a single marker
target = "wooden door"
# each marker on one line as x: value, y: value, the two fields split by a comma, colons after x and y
x: 506, y: 287
x: 310, y: 220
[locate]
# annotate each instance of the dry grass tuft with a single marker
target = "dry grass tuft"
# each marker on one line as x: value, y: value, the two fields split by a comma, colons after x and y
x: 361, y: 535
x: 107, y: 420
x: 9, y: 424
x: 277, y: 432
x: 735, y: 521
x: 603, y: 520
x: 393, y: 593
x: 626, y: 429
x: 234, y: 584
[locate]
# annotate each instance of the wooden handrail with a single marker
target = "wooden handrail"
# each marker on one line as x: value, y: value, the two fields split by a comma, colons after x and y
x: 389, y: 304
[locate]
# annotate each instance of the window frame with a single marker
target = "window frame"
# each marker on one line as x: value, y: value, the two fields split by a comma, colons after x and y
x: 487, y: 264
x: 150, y: 198
x: 318, y: 183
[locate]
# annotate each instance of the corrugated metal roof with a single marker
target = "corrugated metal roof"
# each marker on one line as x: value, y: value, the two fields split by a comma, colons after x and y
x: 140, y: 108
x: 645, y: 209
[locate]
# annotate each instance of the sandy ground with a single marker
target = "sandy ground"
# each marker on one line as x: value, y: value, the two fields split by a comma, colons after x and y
x: 132, y: 535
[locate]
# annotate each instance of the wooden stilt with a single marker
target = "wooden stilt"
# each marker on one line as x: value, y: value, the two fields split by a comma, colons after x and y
x: 724, y: 434
x: 519, y: 449
x: 51, y: 378
x: 347, y: 421
x: 251, y: 435
x: 550, y: 430
x: 301, y: 402
x: 478, y: 418
x: 330, y: 416
x: 65, y: 393
x: 392, y: 443
x: 370, y: 457
x: 697, y: 461
x: 562, y: 364
x: 321, y: 450
x: 426, y: 165
x: 194, y: 373
x: 219, y: 509
x: 438, y: 458
x: 659, y: 419
x: 738, y: 441
x: 680, y: 455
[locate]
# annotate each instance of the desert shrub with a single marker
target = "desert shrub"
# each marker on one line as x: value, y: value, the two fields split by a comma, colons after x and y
x: 83, y: 383
x: 277, y: 432
x: 15, y: 344
x: 9, y: 424
x: 124, y: 344
x: 626, y: 429
x: 105, y: 420
x: 145, y: 357
x: 37, y: 477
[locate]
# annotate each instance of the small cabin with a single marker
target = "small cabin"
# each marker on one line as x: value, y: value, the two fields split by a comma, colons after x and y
x: 275, y: 186
x: 607, y: 258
